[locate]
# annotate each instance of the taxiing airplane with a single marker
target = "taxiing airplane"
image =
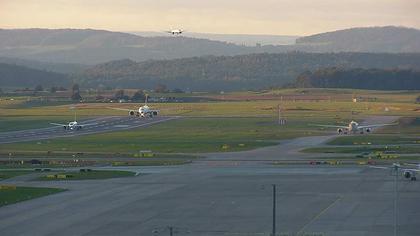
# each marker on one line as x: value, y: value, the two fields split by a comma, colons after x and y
x: 353, y: 127
x: 408, y: 173
x: 143, y: 111
x: 175, y: 31
x: 73, y: 125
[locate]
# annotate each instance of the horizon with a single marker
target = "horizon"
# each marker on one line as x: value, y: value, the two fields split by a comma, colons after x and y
x: 267, y: 17
x: 193, y: 32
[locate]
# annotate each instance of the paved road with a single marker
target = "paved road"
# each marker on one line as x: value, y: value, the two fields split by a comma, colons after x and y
x: 100, y: 125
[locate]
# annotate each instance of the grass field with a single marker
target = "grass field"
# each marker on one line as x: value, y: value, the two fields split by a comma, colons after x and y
x: 94, y: 174
x: 14, y: 123
x: 10, y: 196
x: 6, y: 174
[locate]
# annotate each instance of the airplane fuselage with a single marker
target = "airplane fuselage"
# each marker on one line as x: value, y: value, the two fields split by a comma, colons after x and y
x: 72, y: 126
x: 143, y: 111
x: 176, y: 31
x: 353, y: 128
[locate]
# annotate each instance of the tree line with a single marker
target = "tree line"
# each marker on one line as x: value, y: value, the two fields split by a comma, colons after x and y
x: 358, y: 78
x: 253, y: 71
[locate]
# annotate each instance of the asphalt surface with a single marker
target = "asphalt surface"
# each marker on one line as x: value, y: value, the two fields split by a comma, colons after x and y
x: 99, y: 125
x: 231, y: 197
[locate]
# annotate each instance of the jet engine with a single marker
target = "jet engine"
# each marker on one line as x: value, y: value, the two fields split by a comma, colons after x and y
x: 409, y: 175
x: 340, y: 131
x: 131, y: 113
x: 368, y: 130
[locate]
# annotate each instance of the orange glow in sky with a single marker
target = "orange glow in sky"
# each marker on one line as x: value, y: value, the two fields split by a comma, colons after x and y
x: 283, y: 17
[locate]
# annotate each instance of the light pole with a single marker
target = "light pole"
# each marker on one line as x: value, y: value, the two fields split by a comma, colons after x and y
x: 396, y: 168
x: 274, y: 210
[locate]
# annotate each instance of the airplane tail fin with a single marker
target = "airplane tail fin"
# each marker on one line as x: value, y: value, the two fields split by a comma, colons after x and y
x: 74, y: 109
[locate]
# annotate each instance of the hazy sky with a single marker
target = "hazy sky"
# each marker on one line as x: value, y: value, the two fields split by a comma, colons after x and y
x: 292, y: 17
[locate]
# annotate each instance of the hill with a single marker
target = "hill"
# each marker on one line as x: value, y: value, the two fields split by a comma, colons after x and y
x: 96, y: 46
x: 23, y: 77
x: 64, y: 68
x: 373, y: 79
x: 244, y: 72
x: 238, y: 39
x: 373, y: 39
x: 88, y: 46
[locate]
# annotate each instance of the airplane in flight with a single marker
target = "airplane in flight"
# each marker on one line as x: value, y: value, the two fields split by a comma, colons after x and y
x: 175, y: 31
x: 353, y: 127
x: 143, y: 111
x: 408, y: 173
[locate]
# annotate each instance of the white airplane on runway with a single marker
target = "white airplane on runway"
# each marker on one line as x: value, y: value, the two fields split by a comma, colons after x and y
x: 73, y: 125
x: 353, y: 127
x: 175, y: 31
x: 408, y: 173
x: 143, y: 111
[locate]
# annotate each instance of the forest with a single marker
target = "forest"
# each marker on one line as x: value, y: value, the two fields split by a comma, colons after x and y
x: 374, y: 79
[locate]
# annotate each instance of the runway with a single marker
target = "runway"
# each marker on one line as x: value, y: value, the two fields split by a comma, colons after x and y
x: 99, y: 125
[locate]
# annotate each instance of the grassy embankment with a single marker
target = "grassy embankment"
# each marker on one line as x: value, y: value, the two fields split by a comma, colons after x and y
x: 13, y: 195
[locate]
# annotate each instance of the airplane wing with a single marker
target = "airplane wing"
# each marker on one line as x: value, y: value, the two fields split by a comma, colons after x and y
x: 412, y: 164
x: 57, y: 124
x: 88, y: 124
x: 119, y: 109
x: 375, y: 125
x: 331, y: 126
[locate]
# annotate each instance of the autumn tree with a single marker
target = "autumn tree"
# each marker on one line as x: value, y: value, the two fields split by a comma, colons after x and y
x: 138, y: 96
x: 161, y: 88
